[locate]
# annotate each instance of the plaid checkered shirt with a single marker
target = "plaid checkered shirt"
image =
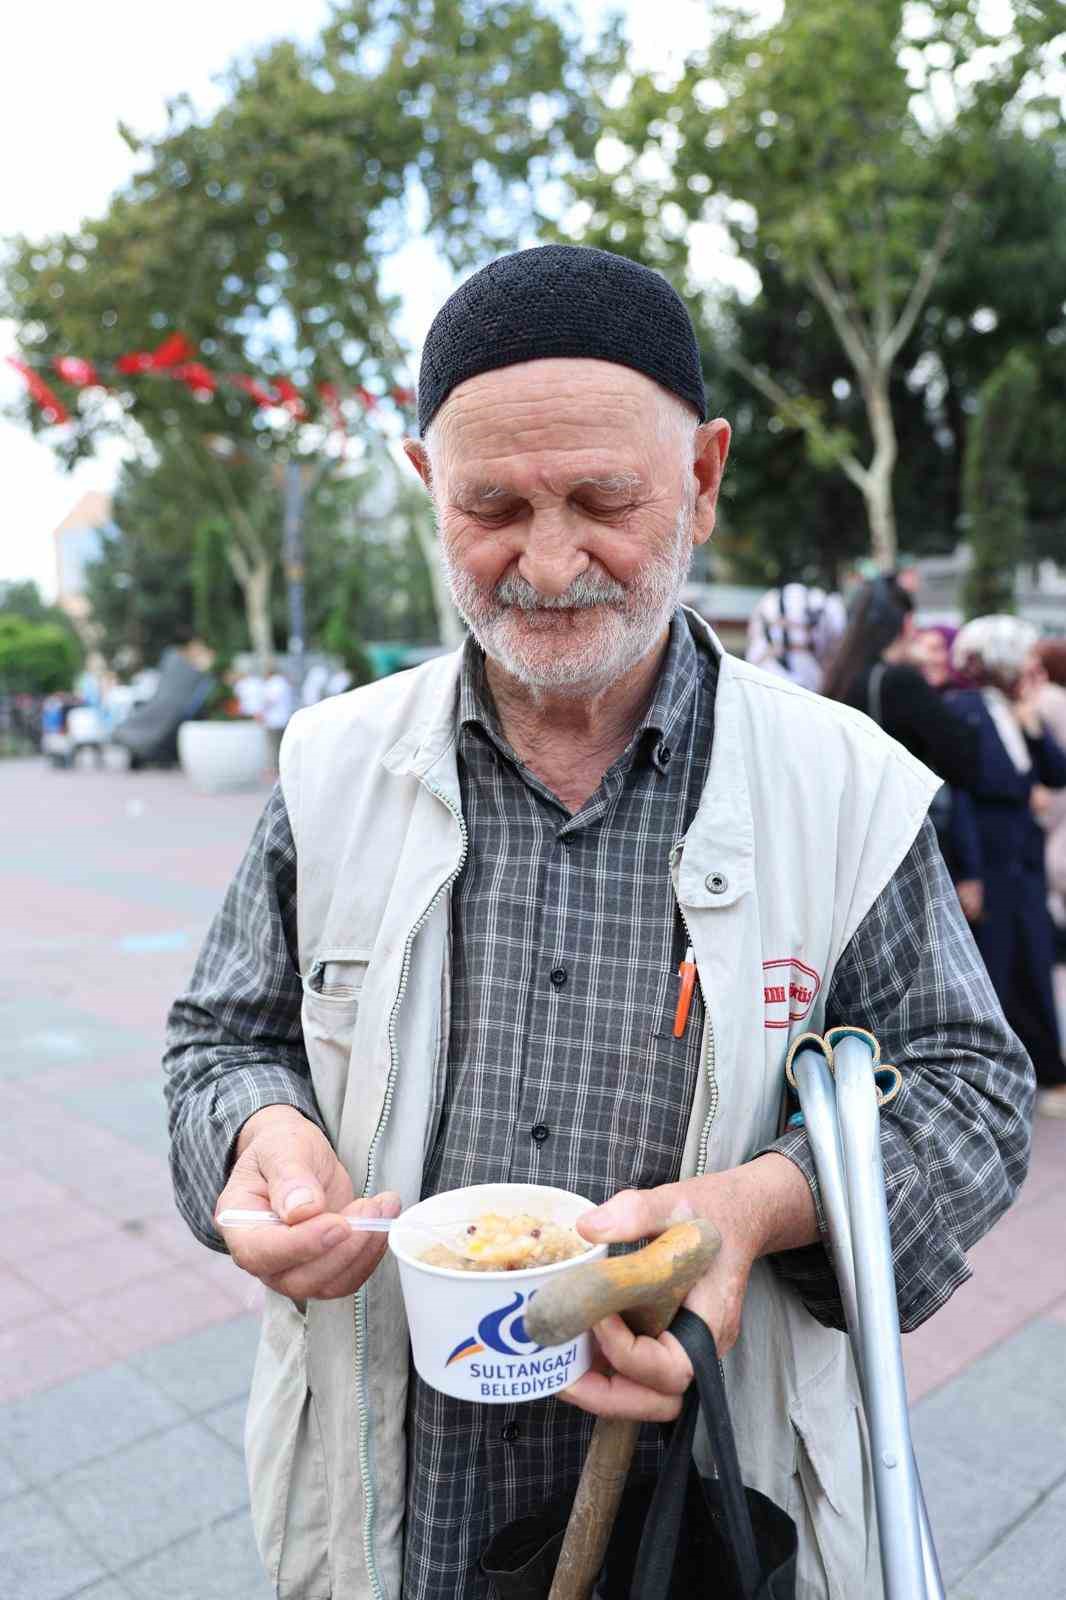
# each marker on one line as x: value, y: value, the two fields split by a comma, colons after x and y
x: 562, y: 1066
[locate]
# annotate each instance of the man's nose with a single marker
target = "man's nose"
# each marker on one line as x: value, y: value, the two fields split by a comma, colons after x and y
x: 552, y: 557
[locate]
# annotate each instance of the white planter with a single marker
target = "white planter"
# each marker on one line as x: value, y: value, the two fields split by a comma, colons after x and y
x: 216, y: 756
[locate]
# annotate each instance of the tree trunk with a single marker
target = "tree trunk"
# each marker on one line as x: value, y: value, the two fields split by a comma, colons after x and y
x: 255, y: 586
x: 449, y: 622
x: 877, y: 490
x: 959, y: 424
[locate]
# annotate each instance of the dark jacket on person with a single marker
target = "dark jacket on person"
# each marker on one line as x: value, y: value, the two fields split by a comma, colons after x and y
x: 898, y: 697
x: 994, y: 823
x: 1009, y: 837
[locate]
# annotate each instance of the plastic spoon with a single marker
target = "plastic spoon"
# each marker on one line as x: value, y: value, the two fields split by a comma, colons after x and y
x: 439, y: 1232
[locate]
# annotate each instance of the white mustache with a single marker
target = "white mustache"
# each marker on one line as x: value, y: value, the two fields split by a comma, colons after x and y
x: 581, y: 595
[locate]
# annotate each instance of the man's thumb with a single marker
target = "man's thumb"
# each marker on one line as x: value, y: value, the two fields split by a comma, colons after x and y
x: 295, y: 1192
x: 634, y: 1214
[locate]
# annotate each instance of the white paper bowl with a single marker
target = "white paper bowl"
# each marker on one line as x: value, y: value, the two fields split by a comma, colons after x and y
x: 467, y: 1334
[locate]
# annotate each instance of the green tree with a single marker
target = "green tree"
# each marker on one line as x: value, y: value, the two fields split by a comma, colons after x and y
x: 216, y: 605
x: 21, y: 598
x: 340, y: 635
x: 36, y: 657
x: 140, y: 599
x: 1002, y: 289
x: 139, y: 589
x: 367, y: 574
x: 263, y: 232
x: 784, y: 515
x: 993, y: 488
x: 844, y: 142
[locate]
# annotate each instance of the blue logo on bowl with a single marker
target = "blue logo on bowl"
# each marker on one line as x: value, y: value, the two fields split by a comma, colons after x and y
x: 502, y: 1330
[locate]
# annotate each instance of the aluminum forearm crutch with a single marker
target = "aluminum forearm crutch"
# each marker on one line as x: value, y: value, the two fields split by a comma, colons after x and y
x: 843, y: 1129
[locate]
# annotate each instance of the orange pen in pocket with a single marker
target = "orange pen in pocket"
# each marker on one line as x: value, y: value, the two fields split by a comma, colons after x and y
x: 687, y: 974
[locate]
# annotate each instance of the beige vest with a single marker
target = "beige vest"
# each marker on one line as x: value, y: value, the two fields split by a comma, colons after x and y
x: 806, y: 813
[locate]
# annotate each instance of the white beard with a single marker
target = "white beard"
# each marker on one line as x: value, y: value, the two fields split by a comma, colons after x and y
x: 521, y: 630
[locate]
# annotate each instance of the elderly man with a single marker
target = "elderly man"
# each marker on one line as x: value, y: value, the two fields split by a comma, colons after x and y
x: 451, y: 956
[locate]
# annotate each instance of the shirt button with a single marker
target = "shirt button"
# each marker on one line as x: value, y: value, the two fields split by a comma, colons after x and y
x: 665, y: 754
x: 717, y: 882
x: 510, y: 1432
x: 557, y: 975
x: 539, y: 1132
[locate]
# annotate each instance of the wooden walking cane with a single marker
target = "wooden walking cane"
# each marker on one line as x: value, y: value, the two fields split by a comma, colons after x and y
x: 647, y: 1286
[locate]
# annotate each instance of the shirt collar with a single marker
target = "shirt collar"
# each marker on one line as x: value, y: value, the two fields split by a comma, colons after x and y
x: 676, y: 684
x: 667, y: 710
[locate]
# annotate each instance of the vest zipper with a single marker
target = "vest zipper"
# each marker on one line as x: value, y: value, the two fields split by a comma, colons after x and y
x: 707, y: 1063
x: 361, y: 1374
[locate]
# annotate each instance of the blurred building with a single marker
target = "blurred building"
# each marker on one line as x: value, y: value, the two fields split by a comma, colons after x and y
x: 78, y: 541
x: 1039, y: 590
x: 727, y: 607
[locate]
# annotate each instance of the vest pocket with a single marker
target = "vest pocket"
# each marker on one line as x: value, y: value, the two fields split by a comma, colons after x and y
x: 286, y: 1460
x: 828, y: 1495
x: 332, y: 991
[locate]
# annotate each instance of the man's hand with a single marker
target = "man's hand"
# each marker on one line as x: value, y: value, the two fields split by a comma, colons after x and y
x: 759, y: 1208
x: 285, y: 1164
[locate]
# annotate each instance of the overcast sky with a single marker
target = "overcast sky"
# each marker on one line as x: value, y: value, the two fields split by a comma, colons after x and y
x: 70, y: 73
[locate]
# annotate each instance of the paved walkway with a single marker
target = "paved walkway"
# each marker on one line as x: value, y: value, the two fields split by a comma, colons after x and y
x: 126, y: 1348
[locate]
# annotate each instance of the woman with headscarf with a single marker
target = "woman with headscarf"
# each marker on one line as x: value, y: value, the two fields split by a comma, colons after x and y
x: 932, y: 656
x: 874, y: 670
x: 1018, y: 754
x: 952, y: 810
x: 1049, y: 805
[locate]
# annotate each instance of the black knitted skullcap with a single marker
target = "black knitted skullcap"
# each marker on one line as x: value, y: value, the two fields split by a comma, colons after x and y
x: 561, y: 300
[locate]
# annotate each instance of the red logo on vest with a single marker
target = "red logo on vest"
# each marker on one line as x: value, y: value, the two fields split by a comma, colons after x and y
x: 789, y: 989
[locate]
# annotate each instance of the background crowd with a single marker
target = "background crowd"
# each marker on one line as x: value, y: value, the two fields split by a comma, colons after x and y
x: 984, y: 706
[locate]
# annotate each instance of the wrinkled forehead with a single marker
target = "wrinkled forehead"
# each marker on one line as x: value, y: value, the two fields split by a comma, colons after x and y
x: 593, y: 416
x: 521, y: 474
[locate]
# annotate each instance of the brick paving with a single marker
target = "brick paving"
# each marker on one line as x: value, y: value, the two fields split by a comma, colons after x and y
x: 126, y: 1349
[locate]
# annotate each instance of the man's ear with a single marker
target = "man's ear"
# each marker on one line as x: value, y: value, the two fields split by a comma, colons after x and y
x: 709, y: 459
x: 418, y: 456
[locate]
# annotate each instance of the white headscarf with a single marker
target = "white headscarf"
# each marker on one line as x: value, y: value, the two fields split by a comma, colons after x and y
x: 998, y: 646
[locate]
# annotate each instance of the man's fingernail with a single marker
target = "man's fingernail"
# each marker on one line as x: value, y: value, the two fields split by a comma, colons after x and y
x: 297, y: 1198
x: 597, y: 1220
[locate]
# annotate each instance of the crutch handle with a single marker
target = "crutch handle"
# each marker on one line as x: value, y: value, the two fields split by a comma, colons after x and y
x: 840, y: 1108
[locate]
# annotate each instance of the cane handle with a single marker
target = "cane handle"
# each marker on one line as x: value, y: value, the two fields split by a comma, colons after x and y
x: 647, y: 1286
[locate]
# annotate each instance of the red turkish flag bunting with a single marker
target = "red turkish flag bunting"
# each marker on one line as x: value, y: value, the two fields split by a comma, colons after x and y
x: 404, y: 397
x: 291, y: 398
x: 251, y: 386
x: 196, y: 377
x: 72, y: 369
x: 174, y: 350
x: 331, y: 399
x: 52, y: 408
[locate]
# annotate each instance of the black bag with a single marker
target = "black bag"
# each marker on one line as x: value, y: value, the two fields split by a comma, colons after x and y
x: 678, y: 1537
